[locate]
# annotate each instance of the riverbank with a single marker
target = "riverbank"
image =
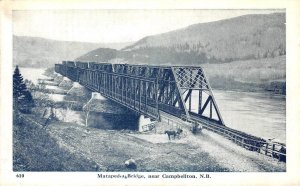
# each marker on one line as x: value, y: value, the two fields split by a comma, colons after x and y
x: 71, y: 147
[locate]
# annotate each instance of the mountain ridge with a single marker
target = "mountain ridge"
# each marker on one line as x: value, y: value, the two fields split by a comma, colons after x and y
x: 38, y: 52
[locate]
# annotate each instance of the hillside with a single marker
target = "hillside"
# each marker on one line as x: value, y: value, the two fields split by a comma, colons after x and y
x: 39, y: 52
x: 245, y: 37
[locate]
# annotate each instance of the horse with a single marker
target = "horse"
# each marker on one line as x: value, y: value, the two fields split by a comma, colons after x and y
x: 173, y: 133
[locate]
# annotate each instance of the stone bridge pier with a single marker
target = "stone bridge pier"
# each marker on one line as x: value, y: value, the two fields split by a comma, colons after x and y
x: 66, y: 83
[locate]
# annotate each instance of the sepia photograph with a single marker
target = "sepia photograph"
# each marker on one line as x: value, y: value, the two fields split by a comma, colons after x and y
x: 149, y: 90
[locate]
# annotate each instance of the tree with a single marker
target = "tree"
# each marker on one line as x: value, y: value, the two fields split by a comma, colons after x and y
x: 22, y: 98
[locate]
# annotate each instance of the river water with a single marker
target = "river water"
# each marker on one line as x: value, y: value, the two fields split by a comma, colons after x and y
x: 259, y: 114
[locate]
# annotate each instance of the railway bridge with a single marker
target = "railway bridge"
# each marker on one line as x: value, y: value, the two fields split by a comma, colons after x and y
x: 182, y: 91
x: 177, y: 93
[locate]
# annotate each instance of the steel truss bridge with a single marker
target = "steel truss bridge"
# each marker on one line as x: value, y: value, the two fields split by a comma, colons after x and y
x: 177, y: 92
x: 182, y: 91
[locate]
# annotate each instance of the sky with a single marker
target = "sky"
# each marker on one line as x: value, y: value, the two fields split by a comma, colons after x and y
x: 113, y: 26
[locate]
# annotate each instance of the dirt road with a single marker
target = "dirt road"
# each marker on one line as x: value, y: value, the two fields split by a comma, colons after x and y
x: 206, y: 152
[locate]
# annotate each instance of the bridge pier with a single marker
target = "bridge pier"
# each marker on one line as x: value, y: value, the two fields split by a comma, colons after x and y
x: 56, y: 74
x: 66, y: 83
x: 105, y: 114
x: 143, y: 123
x: 58, y: 78
x: 78, y: 90
x: 78, y: 93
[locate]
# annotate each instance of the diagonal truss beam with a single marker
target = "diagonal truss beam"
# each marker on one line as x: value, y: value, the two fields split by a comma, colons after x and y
x: 192, y: 79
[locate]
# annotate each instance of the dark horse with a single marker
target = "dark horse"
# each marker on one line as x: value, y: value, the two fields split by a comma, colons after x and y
x: 173, y: 133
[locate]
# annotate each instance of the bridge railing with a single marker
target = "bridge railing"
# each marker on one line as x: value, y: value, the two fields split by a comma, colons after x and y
x: 252, y: 143
x: 274, y: 149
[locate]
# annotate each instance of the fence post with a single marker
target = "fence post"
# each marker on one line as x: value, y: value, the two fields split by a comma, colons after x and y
x: 266, y: 152
x: 273, y: 148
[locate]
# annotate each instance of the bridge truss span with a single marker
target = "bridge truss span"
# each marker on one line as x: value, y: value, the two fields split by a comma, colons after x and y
x: 178, y: 90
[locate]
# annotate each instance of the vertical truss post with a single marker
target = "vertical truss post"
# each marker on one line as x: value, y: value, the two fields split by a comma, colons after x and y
x: 122, y: 89
x: 134, y: 85
x: 210, y: 109
x: 145, y: 90
x: 111, y: 84
x: 190, y: 102
x: 140, y: 95
x: 190, y: 90
x: 126, y: 90
x: 156, y: 98
x: 200, y: 98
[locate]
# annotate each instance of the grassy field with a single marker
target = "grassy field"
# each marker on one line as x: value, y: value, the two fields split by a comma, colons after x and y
x: 35, y: 150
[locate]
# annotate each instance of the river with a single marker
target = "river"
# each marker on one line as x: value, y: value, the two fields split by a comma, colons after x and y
x: 259, y: 114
